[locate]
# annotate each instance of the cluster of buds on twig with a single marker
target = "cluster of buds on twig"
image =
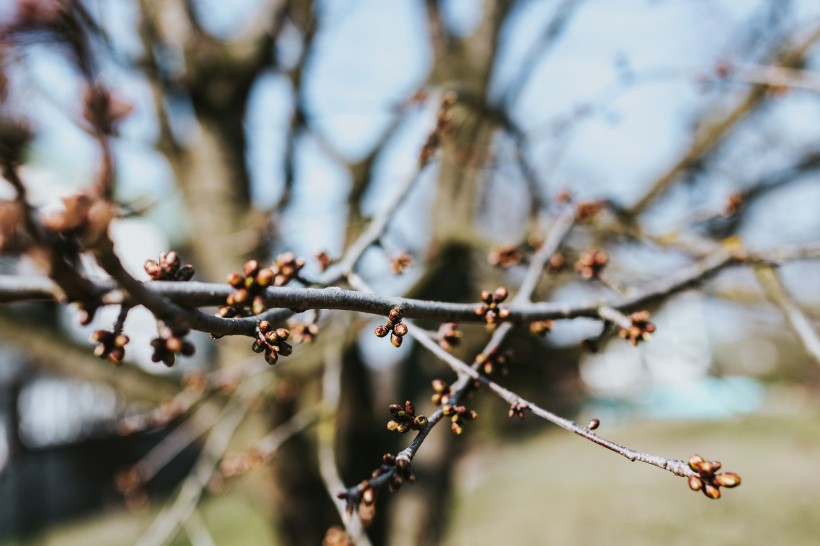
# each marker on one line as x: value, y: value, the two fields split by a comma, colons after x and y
x: 444, y: 125
x: 323, y: 260
x: 405, y: 418
x: 591, y: 263
x: 708, y: 479
x: 394, y: 326
x: 273, y: 342
x: 541, y: 327
x: 495, y: 362
x: 171, y: 341
x: 110, y: 345
x: 403, y: 472
x: 506, y: 256
x: 441, y: 392
x: 169, y: 268
x: 129, y: 484
x: 84, y: 216
x: 365, y: 493
x: 250, y: 285
x: 234, y: 465
x: 517, y: 409
x: 640, y: 330
x: 588, y: 210
x: 491, y: 308
x: 733, y: 204
x: 400, y: 262
x: 104, y: 111
x: 301, y: 332
x: 448, y: 336
x: 458, y: 415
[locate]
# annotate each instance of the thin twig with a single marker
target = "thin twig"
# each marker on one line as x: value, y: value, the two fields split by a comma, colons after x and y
x: 777, y: 293
x: 326, y: 438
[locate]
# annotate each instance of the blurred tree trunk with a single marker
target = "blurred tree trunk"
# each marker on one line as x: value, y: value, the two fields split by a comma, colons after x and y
x: 465, y: 66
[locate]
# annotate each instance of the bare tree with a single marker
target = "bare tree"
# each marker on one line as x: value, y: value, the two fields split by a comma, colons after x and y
x: 433, y: 260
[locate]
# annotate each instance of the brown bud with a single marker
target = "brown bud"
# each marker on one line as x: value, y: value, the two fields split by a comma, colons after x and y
x: 258, y: 307
x: 236, y: 280
x: 711, y: 491
x: 440, y: 386
x: 395, y: 315
x: 400, y: 329
x: 727, y: 479
x: 381, y: 330
x: 152, y: 268
x: 593, y: 424
x: 285, y: 349
x: 500, y: 294
x: 395, y: 340
x: 186, y: 272
x: 695, y: 483
x: 695, y: 462
x: 250, y: 268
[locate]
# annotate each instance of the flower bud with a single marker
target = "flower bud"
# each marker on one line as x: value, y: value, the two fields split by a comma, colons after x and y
x: 711, y: 491
x: 400, y: 329
x: 727, y: 479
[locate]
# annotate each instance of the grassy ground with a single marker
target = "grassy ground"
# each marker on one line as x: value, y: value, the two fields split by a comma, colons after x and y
x: 558, y: 489
x: 555, y: 490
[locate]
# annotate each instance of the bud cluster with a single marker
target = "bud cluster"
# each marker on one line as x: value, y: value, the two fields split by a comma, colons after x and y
x: 273, y: 342
x: 171, y: 341
x: 733, y: 204
x: 169, y: 268
x: 591, y: 263
x: 708, y: 479
x: 588, y: 210
x: 448, y: 336
x: 110, y: 345
x: 517, y: 409
x: 444, y: 125
x: 541, y: 327
x: 402, y: 474
x: 394, y: 326
x: 84, y: 217
x: 495, y: 362
x: 441, y: 392
x: 237, y: 464
x: 405, y: 418
x: 641, y: 329
x: 250, y: 285
x: 323, y: 260
x: 400, y: 262
x: 491, y: 308
x: 303, y: 333
x: 458, y: 415
x: 365, y: 493
x: 506, y: 256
